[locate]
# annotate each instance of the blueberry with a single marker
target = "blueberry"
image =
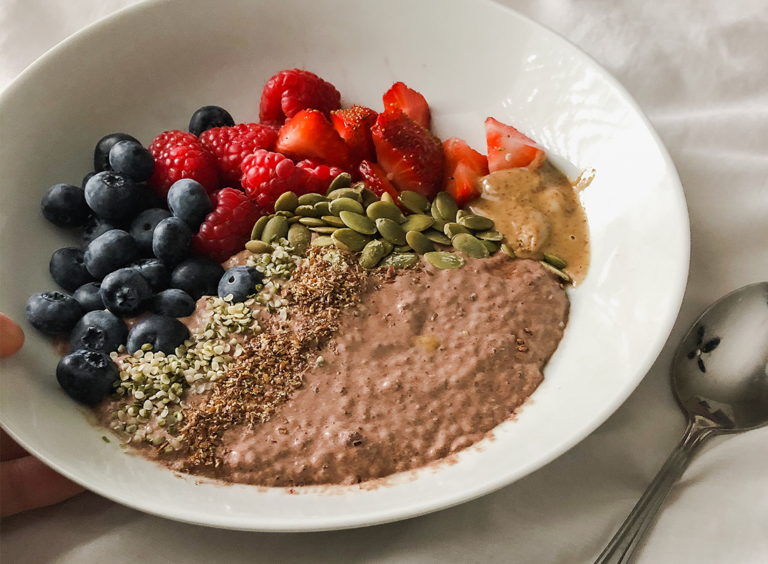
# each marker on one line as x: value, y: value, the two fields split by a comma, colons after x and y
x: 155, y: 271
x: 99, y: 331
x: 95, y: 227
x: 188, y: 200
x: 88, y: 296
x: 240, y: 282
x: 64, y: 205
x: 209, y: 117
x: 67, y: 268
x: 173, y: 303
x: 87, y: 376
x: 104, y: 146
x: 112, y: 195
x: 164, y: 333
x: 131, y: 159
x: 53, y: 313
x: 171, y: 239
x: 86, y: 178
x: 198, y: 277
x: 148, y: 198
x: 110, y: 251
x: 143, y: 227
x: 125, y: 292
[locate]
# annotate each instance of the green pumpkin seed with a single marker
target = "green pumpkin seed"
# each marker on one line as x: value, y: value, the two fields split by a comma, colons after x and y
x: 258, y: 227
x: 346, y: 204
x: 400, y: 260
x: 305, y: 210
x: 288, y: 201
x: 345, y: 193
x: 476, y: 222
x: 359, y: 186
x: 417, y: 222
x: 312, y: 222
x: 368, y: 197
x: 439, y: 225
x: 311, y: 199
x: 453, y: 229
x: 275, y: 229
x: 507, y: 250
x: 299, y: 238
x: 489, y: 235
x: 556, y: 271
x: 402, y: 248
x: 414, y: 201
x: 382, y: 209
x: 437, y: 237
x: 391, y: 231
x: 462, y: 213
x: 387, y: 245
x: 444, y: 260
x: 284, y: 213
x: 358, y: 222
x: 344, y: 180
x: 386, y: 197
x: 490, y: 245
x: 446, y: 206
x: 325, y: 230
x: 349, y: 240
x: 469, y: 245
x: 372, y: 253
x: 294, y: 219
x: 322, y: 241
x: 419, y: 242
x: 333, y: 221
x: 259, y: 247
x: 555, y: 261
x: 434, y: 211
x: 323, y: 208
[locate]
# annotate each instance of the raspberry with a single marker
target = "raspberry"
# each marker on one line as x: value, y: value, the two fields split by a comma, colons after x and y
x: 231, y: 145
x: 322, y: 175
x: 290, y: 91
x: 267, y: 175
x: 180, y: 155
x: 228, y: 227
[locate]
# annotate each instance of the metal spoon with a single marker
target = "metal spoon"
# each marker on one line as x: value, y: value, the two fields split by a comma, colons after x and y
x: 720, y: 377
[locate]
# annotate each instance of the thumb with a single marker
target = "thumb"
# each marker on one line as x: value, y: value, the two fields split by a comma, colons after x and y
x: 26, y: 483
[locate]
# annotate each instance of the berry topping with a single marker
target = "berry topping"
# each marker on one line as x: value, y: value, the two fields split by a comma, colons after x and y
x: 87, y: 376
x: 231, y: 145
x: 104, y: 146
x: 94, y: 228
x: 173, y: 303
x: 309, y: 135
x: 239, y: 282
x: 209, y: 117
x: 64, y: 205
x: 226, y: 230
x: 155, y: 271
x: 143, y: 227
x: 267, y: 175
x: 197, y: 276
x: 463, y: 169
x: 188, y: 200
x: 131, y: 159
x: 88, y: 296
x: 112, y: 195
x: 181, y: 155
x: 164, y: 333
x: 290, y: 91
x: 376, y: 179
x: 125, y: 292
x: 99, y: 331
x: 354, y: 126
x: 171, y: 239
x: 53, y: 313
x: 321, y: 176
x: 67, y: 268
x: 413, y: 104
x: 508, y: 148
x: 110, y: 251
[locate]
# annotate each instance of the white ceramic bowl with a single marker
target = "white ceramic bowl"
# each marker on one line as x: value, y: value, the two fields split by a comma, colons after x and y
x: 147, y: 68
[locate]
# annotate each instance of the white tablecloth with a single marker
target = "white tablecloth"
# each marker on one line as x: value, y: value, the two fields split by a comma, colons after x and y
x: 699, y: 68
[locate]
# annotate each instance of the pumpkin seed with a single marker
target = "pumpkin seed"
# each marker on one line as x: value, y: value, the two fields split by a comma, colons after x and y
x: 323, y: 208
x: 325, y: 230
x: 367, y: 196
x: 349, y: 240
x: 284, y: 213
x: 444, y: 260
x: 258, y: 227
x: 305, y: 210
x: 344, y: 180
x: 419, y: 242
x: 312, y: 222
x: 391, y: 231
x: 275, y: 229
x: 556, y: 271
x: 400, y: 260
x: 414, y: 201
x: 347, y: 204
x: 386, y: 197
x: 507, y: 250
x: 259, y: 247
x: 359, y: 186
x: 358, y: 222
x: 462, y: 213
x: 446, y: 206
x: 311, y: 199
x: 489, y: 235
x: 294, y: 219
x: 402, y: 248
x: 555, y: 261
x: 476, y: 222
x: 490, y: 245
x: 372, y: 253
x: 299, y: 238
x: 469, y: 245
x: 439, y: 225
x: 333, y: 220
x: 345, y: 193
x: 417, y: 222
x: 387, y: 245
x: 322, y: 241
x: 453, y: 229
x: 378, y: 210
x: 288, y: 201
x: 437, y: 237
x: 434, y: 211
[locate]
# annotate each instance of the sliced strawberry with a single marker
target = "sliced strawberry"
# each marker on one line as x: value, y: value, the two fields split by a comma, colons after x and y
x: 308, y: 135
x: 411, y: 102
x: 410, y: 155
x: 354, y: 126
x: 376, y: 179
x: 463, y: 169
x: 508, y: 148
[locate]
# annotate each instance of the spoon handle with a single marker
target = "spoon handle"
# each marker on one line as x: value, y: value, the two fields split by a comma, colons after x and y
x: 624, y: 542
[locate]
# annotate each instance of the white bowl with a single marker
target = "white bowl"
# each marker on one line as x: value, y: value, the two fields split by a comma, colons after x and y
x: 147, y: 68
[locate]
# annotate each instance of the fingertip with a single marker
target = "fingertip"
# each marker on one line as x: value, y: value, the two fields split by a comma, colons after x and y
x: 26, y: 483
x: 11, y: 336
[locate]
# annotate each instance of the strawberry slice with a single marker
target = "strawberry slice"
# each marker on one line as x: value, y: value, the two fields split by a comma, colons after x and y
x: 308, y: 135
x: 354, y: 126
x: 410, y: 155
x: 377, y: 181
x: 463, y: 169
x: 508, y: 148
x: 408, y: 100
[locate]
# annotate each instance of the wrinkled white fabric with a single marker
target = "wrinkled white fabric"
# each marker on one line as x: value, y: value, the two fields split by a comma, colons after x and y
x: 700, y: 71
